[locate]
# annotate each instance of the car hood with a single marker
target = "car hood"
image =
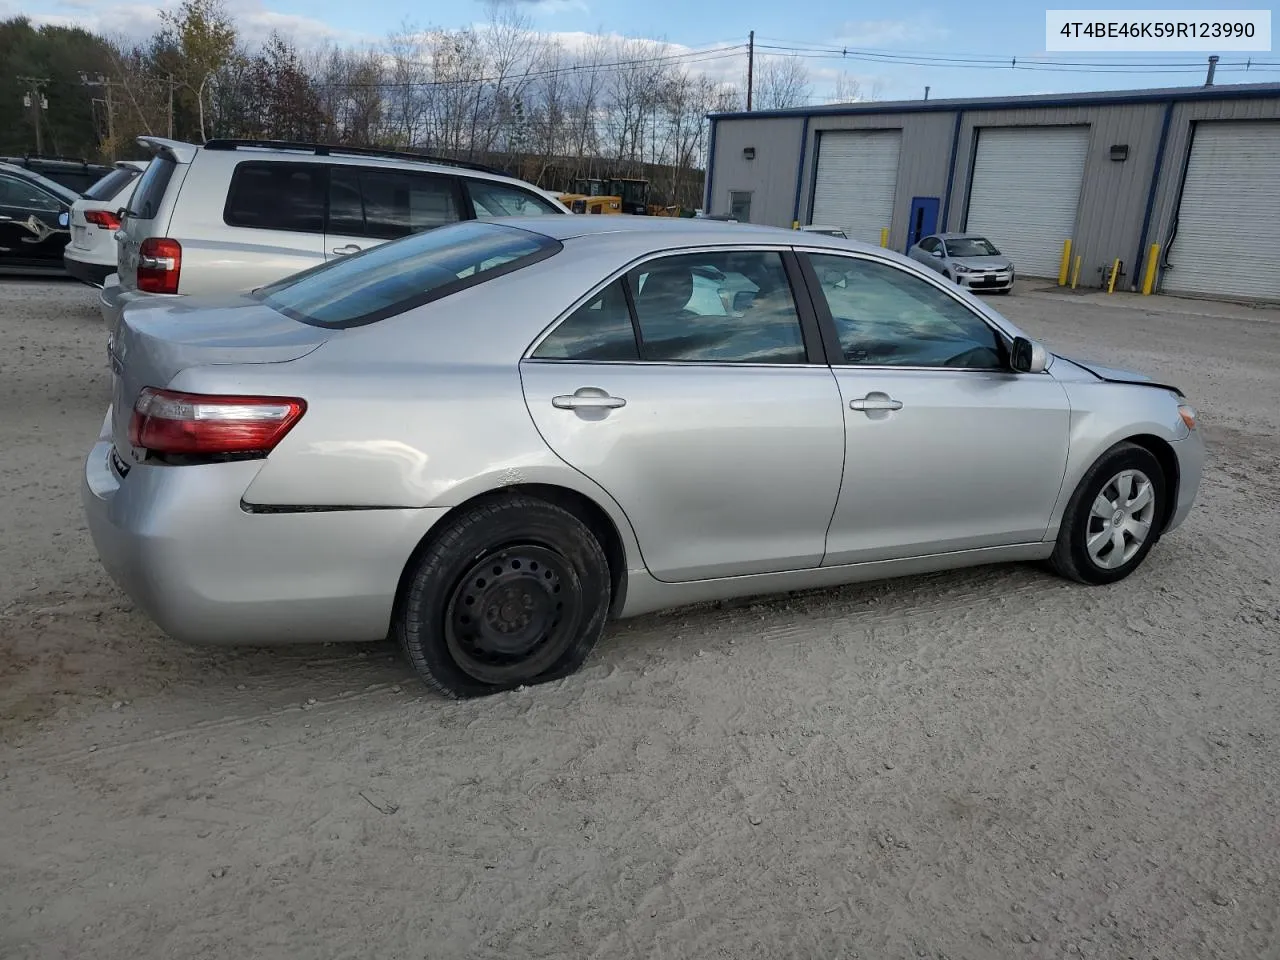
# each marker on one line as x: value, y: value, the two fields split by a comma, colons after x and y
x: 983, y: 263
x: 1117, y: 374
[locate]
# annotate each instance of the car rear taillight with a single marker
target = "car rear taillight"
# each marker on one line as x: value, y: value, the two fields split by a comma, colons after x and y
x: 166, y: 421
x: 159, y: 263
x: 103, y: 218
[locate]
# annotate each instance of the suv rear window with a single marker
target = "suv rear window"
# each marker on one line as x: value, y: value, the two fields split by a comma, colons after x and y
x: 393, y: 277
x: 149, y: 193
x: 112, y: 183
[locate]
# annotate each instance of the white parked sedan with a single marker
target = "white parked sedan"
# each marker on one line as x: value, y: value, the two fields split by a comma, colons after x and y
x: 489, y: 438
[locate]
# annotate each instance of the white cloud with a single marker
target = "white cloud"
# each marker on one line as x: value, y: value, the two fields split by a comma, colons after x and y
x: 880, y: 34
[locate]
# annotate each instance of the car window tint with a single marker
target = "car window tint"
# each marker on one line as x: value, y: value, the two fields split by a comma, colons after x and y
x: 112, y: 183
x: 149, y: 194
x: 346, y: 209
x: 390, y: 278
x: 24, y: 195
x: 600, y: 329
x: 397, y: 204
x: 886, y: 316
x: 277, y: 196
x: 500, y: 200
x: 973, y: 247
x: 726, y: 307
x: 928, y: 244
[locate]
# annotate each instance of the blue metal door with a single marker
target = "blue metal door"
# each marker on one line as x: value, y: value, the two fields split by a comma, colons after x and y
x: 924, y: 219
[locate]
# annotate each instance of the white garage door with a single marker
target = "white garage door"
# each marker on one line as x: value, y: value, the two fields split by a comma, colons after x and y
x: 1228, y: 239
x: 856, y: 180
x: 1025, y: 190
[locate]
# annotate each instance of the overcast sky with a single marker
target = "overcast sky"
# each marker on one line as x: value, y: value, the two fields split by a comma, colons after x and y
x: 996, y: 29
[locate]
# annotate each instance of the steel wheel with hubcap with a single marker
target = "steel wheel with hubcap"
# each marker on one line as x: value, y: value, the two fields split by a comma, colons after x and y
x: 1113, y: 518
x: 512, y: 591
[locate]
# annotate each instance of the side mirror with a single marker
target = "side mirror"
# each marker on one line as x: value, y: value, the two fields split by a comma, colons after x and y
x: 937, y: 253
x: 742, y: 300
x: 1028, y: 356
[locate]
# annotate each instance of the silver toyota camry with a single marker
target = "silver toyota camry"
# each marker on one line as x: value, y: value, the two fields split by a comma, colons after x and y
x: 488, y: 439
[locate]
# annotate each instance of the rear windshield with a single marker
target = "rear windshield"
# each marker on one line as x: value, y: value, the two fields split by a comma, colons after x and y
x: 112, y: 183
x: 149, y: 193
x: 393, y: 277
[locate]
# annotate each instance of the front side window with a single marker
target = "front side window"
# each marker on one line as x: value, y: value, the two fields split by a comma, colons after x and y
x: 723, y: 307
x: 21, y: 195
x: 273, y: 196
x: 600, y: 329
x: 391, y: 278
x: 889, y: 317
x: 501, y: 200
x: 929, y: 244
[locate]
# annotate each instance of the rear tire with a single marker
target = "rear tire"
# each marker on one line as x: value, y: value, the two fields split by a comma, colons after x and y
x: 1113, y: 519
x: 512, y: 592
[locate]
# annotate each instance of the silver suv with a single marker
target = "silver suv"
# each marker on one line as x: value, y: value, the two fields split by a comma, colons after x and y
x: 232, y: 215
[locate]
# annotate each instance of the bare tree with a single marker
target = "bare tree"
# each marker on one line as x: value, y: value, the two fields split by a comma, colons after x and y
x: 781, y: 82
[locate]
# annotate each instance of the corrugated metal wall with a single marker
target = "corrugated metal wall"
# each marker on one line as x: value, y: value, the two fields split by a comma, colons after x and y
x: 1114, y: 197
x: 771, y: 176
x: 922, y: 160
x: 1178, y: 147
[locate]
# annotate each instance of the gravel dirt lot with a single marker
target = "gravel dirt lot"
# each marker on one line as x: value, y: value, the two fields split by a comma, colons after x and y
x: 992, y: 763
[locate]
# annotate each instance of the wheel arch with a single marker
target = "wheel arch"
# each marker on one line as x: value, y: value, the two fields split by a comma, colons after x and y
x: 1161, y: 449
x: 594, y: 516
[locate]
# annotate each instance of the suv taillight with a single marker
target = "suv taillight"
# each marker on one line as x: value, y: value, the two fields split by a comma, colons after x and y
x: 159, y: 263
x: 102, y: 218
x: 165, y: 421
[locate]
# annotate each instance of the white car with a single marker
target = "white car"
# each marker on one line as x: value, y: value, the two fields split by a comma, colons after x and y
x: 91, y: 255
x: 228, y: 216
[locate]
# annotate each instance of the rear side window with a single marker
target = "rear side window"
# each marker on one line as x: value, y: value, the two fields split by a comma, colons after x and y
x: 149, y: 194
x: 112, y: 183
x: 388, y: 204
x: 391, y: 278
x: 277, y: 196
x: 501, y: 200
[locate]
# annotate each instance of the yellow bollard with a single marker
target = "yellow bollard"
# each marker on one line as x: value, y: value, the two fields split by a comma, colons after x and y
x: 884, y: 236
x: 1153, y: 259
x: 1075, y: 274
x: 1115, y: 273
x: 795, y: 224
x: 1066, y: 262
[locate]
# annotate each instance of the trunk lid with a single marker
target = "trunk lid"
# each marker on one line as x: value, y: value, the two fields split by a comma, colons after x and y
x: 155, y: 341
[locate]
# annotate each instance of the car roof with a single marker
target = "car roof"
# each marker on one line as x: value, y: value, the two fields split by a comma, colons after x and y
x: 676, y: 230
x: 26, y: 173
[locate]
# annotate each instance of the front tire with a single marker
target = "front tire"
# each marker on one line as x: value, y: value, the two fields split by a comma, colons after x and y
x: 512, y: 592
x: 1113, y: 518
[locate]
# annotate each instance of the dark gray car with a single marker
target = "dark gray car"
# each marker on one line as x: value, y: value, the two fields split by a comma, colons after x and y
x: 968, y: 259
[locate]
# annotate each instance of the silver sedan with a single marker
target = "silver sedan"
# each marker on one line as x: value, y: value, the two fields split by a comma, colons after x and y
x: 488, y: 439
x: 968, y: 259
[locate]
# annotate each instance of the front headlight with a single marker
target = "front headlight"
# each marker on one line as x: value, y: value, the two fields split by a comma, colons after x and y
x: 959, y: 269
x: 1188, y: 415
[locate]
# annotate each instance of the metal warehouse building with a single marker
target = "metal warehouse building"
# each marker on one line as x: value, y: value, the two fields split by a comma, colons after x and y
x: 1195, y: 170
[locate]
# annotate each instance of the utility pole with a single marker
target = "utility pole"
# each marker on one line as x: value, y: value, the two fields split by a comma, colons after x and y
x: 170, y: 106
x: 105, y: 84
x: 37, y: 101
x: 1213, y: 66
x: 751, y: 64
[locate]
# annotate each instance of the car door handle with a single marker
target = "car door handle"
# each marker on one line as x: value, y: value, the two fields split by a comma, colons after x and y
x: 581, y: 400
x: 348, y: 249
x: 872, y: 402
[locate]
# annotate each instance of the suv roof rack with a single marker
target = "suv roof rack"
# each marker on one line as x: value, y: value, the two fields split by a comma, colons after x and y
x: 327, y: 149
x: 50, y: 158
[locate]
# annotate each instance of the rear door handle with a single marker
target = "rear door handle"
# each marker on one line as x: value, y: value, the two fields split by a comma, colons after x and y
x: 588, y: 398
x: 348, y: 249
x: 874, y: 402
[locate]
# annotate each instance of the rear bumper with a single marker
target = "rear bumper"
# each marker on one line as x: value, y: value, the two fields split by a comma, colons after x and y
x: 1191, y: 456
x: 93, y: 274
x: 179, y: 543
